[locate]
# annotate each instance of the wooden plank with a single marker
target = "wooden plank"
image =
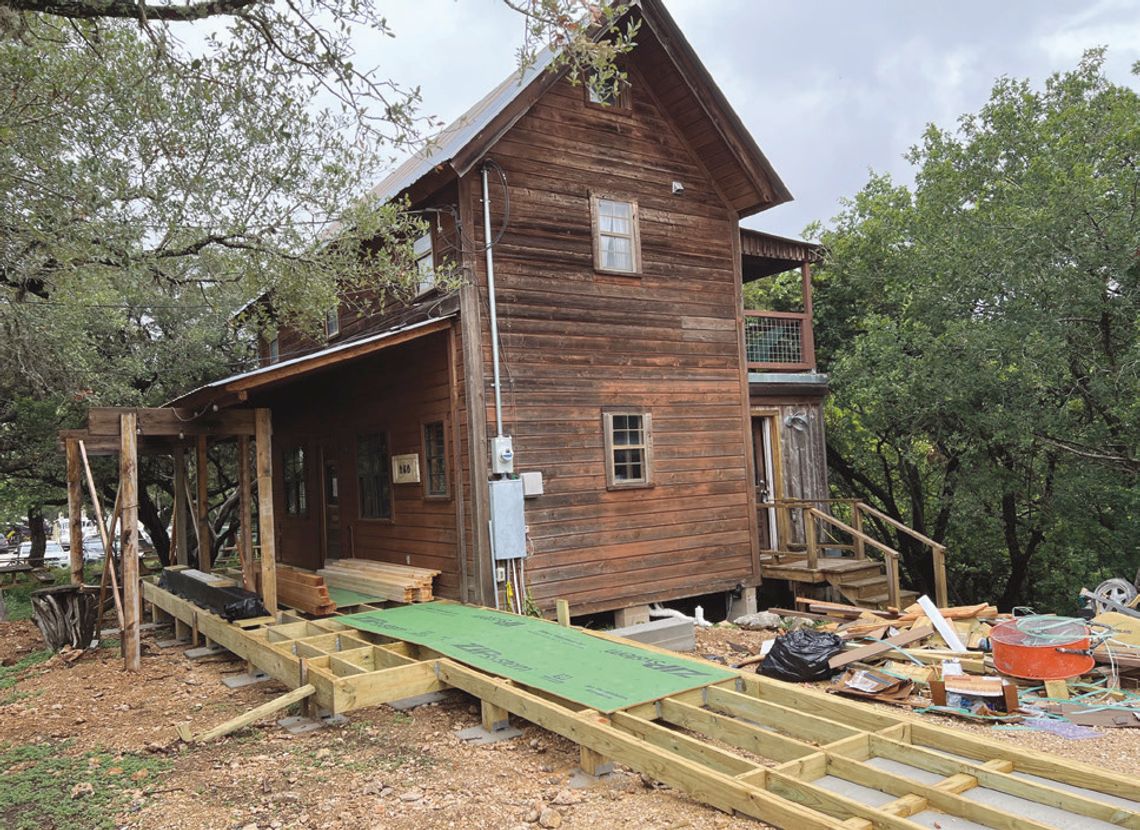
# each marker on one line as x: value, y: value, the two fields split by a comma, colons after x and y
x: 245, y: 516
x: 266, y: 530
x: 128, y: 480
x: 75, y: 511
x: 684, y: 745
x: 789, y: 721
x: 252, y: 716
x: 869, y: 652
x: 762, y: 742
x: 597, y: 734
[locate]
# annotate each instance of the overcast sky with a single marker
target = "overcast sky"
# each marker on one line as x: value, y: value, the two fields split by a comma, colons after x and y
x: 829, y: 88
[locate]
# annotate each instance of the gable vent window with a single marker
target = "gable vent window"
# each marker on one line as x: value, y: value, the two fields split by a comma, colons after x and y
x: 274, y: 349
x: 629, y: 449
x: 617, y: 239
x: 425, y: 263
x: 332, y: 322
x: 613, y: 94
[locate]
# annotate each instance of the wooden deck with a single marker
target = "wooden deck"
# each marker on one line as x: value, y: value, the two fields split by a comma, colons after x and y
x: 791, y: 756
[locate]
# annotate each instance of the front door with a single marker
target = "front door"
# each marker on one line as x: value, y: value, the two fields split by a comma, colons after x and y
x: 763, y: 434
x: 331, y: 517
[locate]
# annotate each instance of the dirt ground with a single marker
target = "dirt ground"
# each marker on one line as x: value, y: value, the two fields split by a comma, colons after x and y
x: 381, y: 769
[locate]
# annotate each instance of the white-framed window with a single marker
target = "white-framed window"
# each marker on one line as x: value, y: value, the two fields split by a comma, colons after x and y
x: 332, y: 321
x: 614, y: 95
x: 425, y: 263
x: 617, y: 238
x: 629, y: 448
x: 274, y: 349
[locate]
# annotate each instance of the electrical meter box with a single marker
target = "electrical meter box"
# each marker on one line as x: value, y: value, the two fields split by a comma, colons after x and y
x: 508, y: 525
x: 502, y: 455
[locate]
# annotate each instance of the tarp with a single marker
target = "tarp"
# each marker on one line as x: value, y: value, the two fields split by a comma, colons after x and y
x: 588, y: 670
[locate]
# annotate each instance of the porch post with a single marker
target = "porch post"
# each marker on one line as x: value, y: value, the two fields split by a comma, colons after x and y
x: 808, y: 332
x: 245, y: 511
x: 181, y: 513
x: 75, y: 511
x: 203, y: 508
x: 128, y: 481
x: 263, y: 438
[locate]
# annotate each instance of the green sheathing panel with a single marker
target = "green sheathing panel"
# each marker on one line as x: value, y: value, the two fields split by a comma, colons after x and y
x: 588, y: 670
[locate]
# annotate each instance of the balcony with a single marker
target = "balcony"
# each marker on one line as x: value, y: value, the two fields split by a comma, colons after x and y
x: 778, y: 341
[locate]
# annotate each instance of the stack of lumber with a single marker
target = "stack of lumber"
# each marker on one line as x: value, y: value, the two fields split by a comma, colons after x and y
x: 387, y: 580
x: 304, y: 590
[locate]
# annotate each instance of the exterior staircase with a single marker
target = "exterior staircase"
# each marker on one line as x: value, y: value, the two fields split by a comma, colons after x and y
x: 861, y: 582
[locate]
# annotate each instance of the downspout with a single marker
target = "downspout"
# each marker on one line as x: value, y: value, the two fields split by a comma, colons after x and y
x: 487, y: 249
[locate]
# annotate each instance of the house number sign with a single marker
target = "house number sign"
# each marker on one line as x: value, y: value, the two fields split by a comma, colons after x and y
x: 406, y: 468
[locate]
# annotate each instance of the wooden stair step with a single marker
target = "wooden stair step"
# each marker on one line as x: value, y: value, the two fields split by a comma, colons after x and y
x: 865, y: 582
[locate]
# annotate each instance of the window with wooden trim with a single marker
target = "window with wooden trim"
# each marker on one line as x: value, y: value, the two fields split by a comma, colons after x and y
x: 629, y: 448
x: 293, y: 476
x: 617, y: 238
x: 274, y: 349
x: 435, y: 460
x: 613, y: 94
x: 425, y: 263
x: 374, y: 476
x: 332, y: 321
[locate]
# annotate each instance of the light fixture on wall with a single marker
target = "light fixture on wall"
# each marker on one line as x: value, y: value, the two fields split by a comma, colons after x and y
x: 797, y: 421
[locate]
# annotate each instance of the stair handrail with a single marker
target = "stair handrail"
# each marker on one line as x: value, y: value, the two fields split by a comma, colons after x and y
x: 890, y: 555
x: 937, y: 551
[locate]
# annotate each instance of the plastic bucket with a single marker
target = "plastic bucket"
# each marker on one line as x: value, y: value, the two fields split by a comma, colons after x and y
x: 1027, y: 647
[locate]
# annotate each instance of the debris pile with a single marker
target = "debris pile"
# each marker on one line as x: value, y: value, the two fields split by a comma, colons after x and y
x: 1056, y: 674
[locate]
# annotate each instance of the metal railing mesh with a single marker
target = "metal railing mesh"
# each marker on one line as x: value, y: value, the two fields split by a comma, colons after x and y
x: 773, y: 339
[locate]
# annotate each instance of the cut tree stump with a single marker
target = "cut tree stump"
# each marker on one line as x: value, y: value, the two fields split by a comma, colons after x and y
x: 66, y: 615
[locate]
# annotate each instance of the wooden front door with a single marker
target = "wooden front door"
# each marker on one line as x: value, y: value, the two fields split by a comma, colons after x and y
x: 763, y: 436
x: 331, y: 505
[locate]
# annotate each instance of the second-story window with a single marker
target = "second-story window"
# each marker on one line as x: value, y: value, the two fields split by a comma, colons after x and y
x: 425, y: 263
x: 617, y: 239
x: 274, y: 349
x: 332, y: 322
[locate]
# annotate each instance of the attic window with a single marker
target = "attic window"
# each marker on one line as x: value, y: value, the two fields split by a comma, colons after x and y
x: 613, y: 94
x: 274, y: 349
x: 332, y: 322
x: 425, y: 263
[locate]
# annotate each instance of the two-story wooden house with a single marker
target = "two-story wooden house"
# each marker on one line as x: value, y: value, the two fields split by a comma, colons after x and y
x: 629, y: 374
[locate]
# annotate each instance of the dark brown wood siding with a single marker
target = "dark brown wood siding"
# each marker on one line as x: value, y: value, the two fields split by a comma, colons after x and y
x: 394, y: 392
x: 575, y: 341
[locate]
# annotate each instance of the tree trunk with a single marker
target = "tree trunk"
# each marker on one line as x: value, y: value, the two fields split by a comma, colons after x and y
x: 155, y: 527
x: 66, y: 615
x: 37, y: 534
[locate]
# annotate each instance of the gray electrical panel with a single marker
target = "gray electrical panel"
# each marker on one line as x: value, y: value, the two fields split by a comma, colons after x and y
x: 508, y: 526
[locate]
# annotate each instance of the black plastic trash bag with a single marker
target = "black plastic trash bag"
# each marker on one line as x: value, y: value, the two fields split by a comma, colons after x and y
x: 801, y: 656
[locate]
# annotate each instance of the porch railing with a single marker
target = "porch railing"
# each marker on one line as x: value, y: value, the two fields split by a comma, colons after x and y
x: 780, y: 340
x: 819, y: 526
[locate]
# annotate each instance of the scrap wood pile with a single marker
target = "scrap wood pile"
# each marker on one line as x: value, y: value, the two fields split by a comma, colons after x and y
x: 385, y: 580
x: 1055, y: 674
x: 303, y: 590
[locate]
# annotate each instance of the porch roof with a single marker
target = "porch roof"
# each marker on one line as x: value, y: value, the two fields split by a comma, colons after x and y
x: 236, y: 388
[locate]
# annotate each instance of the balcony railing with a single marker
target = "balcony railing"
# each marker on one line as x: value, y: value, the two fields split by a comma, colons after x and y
x: 779, y: 340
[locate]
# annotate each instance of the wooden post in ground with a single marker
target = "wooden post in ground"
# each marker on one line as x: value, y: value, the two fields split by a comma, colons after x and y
x: 563, y: 608
x: 181, y: 514
x: 245, y: 513
x: 75, y: 511
x: 263, y: 438
x: 494, y: 718
x: 941, y: 594
x: 810, y: 538
x: 128, y: 480
x: 857, y: 523
x: 203, y: 507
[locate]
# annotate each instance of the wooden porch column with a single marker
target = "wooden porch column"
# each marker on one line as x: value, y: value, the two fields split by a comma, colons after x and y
x: 245, y: 511
x: 809, y: 330
x: 128, y: 481
x: 263, y: 438
x: 203, y: 508
x: 181, y: 513
x: 75, y: 510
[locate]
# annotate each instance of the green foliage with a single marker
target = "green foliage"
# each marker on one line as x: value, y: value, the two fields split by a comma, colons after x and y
x: 45, y: 785
x: 981, y: 333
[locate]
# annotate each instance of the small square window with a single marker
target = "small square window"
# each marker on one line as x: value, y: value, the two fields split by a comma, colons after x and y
x: 293, y: 476
x: 629, y: 449
x: 425, y: 263
x: 435, y: 459
x: 617, y: 238
x: 332, y: 321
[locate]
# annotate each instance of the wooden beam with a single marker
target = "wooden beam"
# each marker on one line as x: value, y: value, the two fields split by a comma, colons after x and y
x: 252, y: 716
x: 245, y: 516
x: 128, y: 480
x: 202, y: 507
x: 762, y: 742
x: 75, y: 511
x: 266, y: 531
x: 181, y: 515
x: 170, y: 421
x: 793, y: 722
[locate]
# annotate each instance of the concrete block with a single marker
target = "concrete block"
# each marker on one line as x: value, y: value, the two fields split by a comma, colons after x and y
x: 669, y: 632
x: 478, y: 736
x: 743, y: 606
x: 634, y: 615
